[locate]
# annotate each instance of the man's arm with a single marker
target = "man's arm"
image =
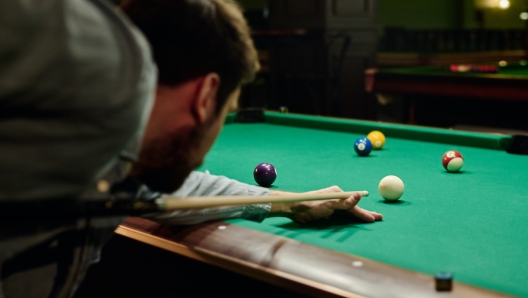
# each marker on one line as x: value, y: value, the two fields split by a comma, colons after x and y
x: 204, y: 184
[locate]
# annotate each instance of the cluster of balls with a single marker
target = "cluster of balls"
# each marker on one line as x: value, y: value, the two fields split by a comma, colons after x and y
x: 390, y: 187
x: 374, y: 140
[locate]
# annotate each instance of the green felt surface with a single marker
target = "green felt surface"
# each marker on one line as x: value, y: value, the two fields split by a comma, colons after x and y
x: 471, y: 223
x: 512, y: 71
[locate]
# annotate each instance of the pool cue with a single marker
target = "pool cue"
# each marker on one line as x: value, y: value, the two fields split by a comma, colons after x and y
x: 169, y: 203
x: 128, y: 205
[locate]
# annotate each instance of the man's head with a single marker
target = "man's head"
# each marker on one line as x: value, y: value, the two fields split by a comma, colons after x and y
x: 204, y: 54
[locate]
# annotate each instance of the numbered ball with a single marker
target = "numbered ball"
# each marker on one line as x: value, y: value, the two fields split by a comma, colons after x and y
x: 265, y: 174
x: 363, y: 146
x: 377, y: 139
x: 391, y: 188
x: 452, y: 161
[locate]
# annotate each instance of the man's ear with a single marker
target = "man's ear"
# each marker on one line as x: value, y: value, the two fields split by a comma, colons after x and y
x: 205, y: 101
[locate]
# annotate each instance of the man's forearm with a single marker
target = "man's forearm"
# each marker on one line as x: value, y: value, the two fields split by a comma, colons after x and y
x: 279, y: 193
x: 204, y: 184
x: 279, y: 209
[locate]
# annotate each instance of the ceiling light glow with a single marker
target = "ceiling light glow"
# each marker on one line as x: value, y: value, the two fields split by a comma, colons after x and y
x: 504, y: 4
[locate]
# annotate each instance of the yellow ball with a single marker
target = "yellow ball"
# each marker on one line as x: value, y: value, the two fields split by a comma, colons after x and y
x: 377, y: 139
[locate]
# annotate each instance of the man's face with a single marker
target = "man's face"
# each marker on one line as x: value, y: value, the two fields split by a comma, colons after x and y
x: 212, y: 129
x: 166, y: 161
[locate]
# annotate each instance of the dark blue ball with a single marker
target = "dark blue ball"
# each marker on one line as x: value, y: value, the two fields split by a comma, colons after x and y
x: 363, y: 146
x: 265, y: 174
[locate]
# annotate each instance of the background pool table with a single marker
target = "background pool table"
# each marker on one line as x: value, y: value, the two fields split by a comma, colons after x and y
x: 432, y: 95
x: 470, y: 223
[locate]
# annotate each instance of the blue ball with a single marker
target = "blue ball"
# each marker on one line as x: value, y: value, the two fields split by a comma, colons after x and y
x: 363, y: 146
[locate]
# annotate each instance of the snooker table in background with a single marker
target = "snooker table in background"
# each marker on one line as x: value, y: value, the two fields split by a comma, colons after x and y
x: 435, y: 96
x: 471, y: 223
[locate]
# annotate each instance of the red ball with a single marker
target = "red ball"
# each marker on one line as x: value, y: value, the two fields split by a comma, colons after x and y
x: 452, y: 161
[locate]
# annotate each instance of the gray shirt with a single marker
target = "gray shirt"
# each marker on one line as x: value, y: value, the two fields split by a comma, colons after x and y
x: 205, y: 184
x: 76, y: 87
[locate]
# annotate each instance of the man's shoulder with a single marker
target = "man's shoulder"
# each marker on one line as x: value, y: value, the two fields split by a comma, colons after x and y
x: 76, y: 85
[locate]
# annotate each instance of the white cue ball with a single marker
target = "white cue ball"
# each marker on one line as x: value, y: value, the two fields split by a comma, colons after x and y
x: 391, y: 188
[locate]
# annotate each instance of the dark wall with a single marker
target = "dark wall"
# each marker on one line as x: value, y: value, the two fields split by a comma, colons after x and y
x: 318, y: 51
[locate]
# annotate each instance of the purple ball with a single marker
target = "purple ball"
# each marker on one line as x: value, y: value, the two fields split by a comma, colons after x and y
x: 265, y: 174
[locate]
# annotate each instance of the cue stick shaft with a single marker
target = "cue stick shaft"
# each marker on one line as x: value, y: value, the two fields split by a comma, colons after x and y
x: 129, y: 205
x: 171, y: 203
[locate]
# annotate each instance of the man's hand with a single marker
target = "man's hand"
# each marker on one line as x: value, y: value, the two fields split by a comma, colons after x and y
x: 310, y: 211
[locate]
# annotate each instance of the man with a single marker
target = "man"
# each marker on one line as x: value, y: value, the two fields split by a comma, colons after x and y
x: 76, y: 88
x: 78, y: 115
x: 204, y: 54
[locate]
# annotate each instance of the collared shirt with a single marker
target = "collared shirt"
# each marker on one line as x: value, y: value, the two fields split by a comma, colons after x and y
x: 76, y: 87
x: 77, y: 84
x: 205, y: 184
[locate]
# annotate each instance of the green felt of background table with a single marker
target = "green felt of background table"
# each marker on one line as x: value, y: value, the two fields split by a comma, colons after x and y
x: 470, y: 223
x: 510, y: 71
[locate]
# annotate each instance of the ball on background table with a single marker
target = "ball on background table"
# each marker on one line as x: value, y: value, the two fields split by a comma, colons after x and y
x: 363, y: 146
x: 283, y: 109
x: 391, y: 188
x: 377, y: 138
x: 452, y: 161
x: 265, y: 174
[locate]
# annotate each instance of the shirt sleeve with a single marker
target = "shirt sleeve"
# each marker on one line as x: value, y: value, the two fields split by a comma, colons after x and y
x: 205, y: 184
x: 77, y: 84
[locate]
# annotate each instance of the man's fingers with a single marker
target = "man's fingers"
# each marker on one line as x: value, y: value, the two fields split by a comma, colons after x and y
x: 334, y: 188
x: 345, y: 204
x: 363, y: 214
x: 377, y: 216
x: 317, y: 210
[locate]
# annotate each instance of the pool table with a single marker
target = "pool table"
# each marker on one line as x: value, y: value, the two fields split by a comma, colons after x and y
x: 470, y: 223
x: 478, y: 95
x: 509, y: 83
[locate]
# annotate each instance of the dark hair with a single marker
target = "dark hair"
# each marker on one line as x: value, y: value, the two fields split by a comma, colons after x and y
x: 191, y: 38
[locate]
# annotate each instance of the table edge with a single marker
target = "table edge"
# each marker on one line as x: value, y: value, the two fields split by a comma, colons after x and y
x: 271, y: 256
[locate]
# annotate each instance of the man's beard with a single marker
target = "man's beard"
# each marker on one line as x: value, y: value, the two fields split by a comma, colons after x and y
x: 165, y: 163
